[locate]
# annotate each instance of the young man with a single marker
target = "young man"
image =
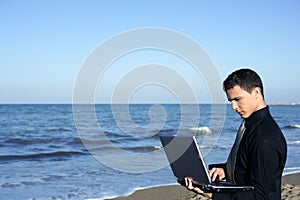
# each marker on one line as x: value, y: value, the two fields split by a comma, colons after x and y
x: 258, y: 155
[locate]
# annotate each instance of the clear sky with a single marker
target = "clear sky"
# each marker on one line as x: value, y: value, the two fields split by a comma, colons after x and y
x: 43, y: 44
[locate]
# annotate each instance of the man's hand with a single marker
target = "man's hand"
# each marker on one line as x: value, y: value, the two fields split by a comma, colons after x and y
x: 216, y: 172
x: 189, y: 186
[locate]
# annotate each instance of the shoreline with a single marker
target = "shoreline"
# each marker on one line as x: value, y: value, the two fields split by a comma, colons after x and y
x: 290, y: 190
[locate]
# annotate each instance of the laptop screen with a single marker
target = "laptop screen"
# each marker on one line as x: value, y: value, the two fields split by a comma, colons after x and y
x: 185, y: 158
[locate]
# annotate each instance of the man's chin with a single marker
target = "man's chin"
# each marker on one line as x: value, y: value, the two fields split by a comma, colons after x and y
x: 243, y: 115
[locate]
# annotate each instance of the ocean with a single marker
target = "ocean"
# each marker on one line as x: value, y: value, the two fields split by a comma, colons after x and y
x: 52, y: 151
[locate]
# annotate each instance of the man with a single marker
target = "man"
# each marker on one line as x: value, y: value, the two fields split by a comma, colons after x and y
x: 258, y: 155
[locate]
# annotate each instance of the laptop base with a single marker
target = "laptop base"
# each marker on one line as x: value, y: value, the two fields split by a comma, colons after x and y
x: 219, y: 187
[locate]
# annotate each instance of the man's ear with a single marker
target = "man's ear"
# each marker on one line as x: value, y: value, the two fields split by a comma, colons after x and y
x: 256, y: 92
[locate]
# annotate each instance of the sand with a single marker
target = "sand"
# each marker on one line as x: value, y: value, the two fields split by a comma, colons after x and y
x: 291, y: 186
x: 290, y: 191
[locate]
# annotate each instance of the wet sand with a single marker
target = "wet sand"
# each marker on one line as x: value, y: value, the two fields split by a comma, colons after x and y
x: 290, y: 191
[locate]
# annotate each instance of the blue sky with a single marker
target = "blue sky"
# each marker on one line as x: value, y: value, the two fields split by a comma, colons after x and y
x: 43, y: 44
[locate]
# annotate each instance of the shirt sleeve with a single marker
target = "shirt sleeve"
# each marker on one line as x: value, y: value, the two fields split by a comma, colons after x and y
x: 263, y: 162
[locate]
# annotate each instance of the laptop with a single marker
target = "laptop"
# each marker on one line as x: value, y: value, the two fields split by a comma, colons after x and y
x: 186, y: 160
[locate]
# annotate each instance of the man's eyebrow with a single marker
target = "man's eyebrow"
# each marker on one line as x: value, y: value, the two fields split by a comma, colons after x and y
x: 234, y: 99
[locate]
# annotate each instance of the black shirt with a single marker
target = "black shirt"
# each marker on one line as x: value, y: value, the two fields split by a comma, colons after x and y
x: 260, y: 159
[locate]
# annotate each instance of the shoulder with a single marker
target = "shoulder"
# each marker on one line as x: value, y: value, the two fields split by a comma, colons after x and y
x: 267, y: 127
x: 266, y: 131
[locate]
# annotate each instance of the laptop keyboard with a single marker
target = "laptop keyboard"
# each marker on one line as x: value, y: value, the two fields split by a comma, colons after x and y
x: 222, y: 183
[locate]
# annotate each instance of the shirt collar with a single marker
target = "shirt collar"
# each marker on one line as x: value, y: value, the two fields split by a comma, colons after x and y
x: 256, y: 116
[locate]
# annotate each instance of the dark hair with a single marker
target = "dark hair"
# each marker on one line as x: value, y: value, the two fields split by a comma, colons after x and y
x: 247, y: 79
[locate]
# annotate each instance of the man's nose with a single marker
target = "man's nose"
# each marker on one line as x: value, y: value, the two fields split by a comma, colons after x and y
x: 234, y: 105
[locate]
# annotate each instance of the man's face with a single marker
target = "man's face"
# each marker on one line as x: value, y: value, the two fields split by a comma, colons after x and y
x: 243, y: 102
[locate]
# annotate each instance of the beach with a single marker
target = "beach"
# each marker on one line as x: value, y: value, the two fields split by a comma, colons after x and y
x: 290, y: 191
x: 43, y: 157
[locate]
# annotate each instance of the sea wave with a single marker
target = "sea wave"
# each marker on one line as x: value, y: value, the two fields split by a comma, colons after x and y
x: 293, y: 126
x: 164, y: 130
x: 137, y: 149
x: 201, y: 129
x: 30, y: 141
x: 80, y: 141
x: 59, y: 129
x: 297, y: 142
x: 291, y: 170
x: 143, y: 148
x: 26, y: 181
x: 39, y: 156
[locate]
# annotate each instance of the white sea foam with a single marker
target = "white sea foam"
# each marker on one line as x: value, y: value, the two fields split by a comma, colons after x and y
x: 201, y: 129
x: 296, y: 126
x: 291, y: 170
x: 293, y: 126
x: 295, y: 142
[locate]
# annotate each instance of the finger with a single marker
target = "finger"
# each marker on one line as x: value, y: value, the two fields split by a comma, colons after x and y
x: 186, y: 182
x: 221, y: 176
x: 214, y: 174
x: 198, y: 190
x: 210, y: 172
x: 190, y: 184
x: 213, y: 178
